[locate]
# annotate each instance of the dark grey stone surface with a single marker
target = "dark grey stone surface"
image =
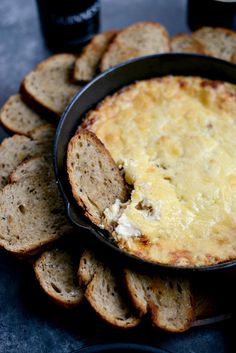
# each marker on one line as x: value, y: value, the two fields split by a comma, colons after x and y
x: 29, y: 322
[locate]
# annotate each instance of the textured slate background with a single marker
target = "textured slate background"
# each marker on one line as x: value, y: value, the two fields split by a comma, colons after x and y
x: 29, y: 322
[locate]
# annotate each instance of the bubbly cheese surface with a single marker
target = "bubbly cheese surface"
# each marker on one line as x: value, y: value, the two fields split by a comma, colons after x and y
x: 175, y: 138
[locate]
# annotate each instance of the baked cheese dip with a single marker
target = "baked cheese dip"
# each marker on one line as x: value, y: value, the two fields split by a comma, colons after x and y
x: 175, y: 140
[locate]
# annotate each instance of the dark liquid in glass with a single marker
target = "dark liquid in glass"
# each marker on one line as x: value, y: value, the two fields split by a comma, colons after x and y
x: 211, y: 13
x: 68, y: 24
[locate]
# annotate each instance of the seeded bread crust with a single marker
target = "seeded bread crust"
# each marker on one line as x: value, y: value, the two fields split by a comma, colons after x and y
x: 104, y: 292
x: 17, y: 117
x: 86, y: 64
x: 49, y: 85
x: 31, y: 208
x: 219, y: 42
x: 167, y: 299
x: 56, y: 271
x: 185, y: 43
x: 94, y: 177
x: 139, y: 39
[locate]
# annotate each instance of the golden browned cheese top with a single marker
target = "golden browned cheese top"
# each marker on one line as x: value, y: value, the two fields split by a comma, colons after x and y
x: 175, y: 138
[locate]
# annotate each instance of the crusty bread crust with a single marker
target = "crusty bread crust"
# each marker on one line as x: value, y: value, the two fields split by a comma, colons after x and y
x: 86, y: 64
x: 135, y: 41
x: 94, y: 177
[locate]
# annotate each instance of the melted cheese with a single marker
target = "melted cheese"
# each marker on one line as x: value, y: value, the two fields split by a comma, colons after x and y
x: 175, y: 138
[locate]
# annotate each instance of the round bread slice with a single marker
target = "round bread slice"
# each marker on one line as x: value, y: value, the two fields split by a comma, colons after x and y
x: 86, y: 64
x: 218, y: 42
x: 139, y: 39
x: 168, y: 299
x: 14, y: 150
x: 87, y: 267
x: 31, y: 209
x: 43, y: 133
x: 94, y: 177
x: 104, y: 292
x: 17, y: 117
x: 185, y: 43
x: 49, y: 84
x: 56, y: 271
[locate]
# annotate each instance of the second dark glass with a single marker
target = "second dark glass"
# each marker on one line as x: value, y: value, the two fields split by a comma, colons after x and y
x: 214, y: 13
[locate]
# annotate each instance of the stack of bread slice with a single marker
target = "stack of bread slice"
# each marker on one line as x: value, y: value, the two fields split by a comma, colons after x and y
x: 32, y: 212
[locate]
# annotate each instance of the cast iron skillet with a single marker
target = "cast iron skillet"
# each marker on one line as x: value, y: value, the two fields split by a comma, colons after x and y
x: 106, y: 84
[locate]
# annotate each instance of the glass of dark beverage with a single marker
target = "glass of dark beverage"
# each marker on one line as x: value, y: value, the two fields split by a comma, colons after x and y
x: 213, y: 13
x: 68, y: 24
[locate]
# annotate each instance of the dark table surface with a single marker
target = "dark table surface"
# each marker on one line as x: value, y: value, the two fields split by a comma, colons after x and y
x: 29, y: 322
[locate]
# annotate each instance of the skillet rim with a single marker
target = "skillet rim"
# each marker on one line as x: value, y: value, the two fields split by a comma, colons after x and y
x: 59, y: 164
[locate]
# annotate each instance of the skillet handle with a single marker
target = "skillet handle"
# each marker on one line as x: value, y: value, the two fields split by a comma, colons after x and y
x: 75, y: 217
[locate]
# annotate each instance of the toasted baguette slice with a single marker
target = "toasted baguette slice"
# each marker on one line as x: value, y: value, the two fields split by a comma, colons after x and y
x: 56, y: 271
x: 139, y: 39
x: 87, y: 267
x: 49, y: 84
x: 167, y: 299
x: 32, y: 211
x: 17, y: 117
x: 13, y: 150
x: 219, y: 42
x: 185, y: 43
x: 87, y: 63
x: 43, y: 133
x: 104, y: 292
x: 94, y: 177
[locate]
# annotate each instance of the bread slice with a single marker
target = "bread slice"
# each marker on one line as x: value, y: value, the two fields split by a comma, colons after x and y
x: 185, y: 43
x: 94, y: 177
x: 139, y: 39
x: 14, y: 150
x: 86, y: 64
x: 56, y: 271
x: 49, y: 84
x: 168, y: 299
x: 31, y: 209
x: 43, y: 133
x: 219, y: 42
x: 17, y: 117
x: 104, y: 292
x: 87, y: 267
